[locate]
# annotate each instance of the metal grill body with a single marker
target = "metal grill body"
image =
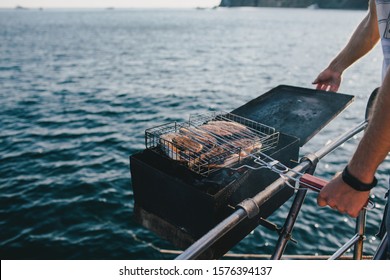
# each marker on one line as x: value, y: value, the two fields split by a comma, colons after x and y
x: 181, y: 205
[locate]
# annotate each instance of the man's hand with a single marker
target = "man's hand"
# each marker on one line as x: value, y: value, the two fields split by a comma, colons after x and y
x: 340, y: 196
x: 328, y: 80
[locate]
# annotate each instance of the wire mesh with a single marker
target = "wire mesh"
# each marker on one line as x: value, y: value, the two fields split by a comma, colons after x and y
x: 209, y: 142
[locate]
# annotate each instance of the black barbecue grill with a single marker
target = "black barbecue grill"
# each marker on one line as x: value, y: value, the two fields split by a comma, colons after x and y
x: 180, y: 195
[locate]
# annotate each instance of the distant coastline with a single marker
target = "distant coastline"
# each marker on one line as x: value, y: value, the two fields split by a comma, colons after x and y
x: 321, y: 4
x: 20, y: 8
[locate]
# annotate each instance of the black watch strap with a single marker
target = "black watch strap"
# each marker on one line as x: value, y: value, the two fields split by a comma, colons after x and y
x: 355, y: 183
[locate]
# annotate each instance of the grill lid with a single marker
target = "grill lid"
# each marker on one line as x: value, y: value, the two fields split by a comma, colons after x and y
x: 296, y: 111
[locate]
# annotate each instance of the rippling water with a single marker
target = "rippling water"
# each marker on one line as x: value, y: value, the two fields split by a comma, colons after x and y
x: 79, y: 87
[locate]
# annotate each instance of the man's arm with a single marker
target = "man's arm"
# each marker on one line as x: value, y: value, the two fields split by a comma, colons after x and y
x: 361, y: 42
x: 371, y: 151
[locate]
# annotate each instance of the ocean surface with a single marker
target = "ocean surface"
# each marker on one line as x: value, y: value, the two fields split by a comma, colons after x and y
x: 78, y: 88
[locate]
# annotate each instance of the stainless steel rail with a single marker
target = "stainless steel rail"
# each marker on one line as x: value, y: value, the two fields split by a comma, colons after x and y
x: 250, y: 207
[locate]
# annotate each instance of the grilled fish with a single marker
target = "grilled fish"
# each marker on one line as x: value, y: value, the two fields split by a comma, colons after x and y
x: 215, y: 144
x: 227, y: 161
x: 199, y: 136
x: 231, y: 128
x: 166, y: 142
x: 187, y: 144
x: 247, y: 145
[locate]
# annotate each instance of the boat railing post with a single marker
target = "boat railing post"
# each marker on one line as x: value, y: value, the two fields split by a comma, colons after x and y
x: 345, y: 247
x: 380, y: 253
x: 356, y: 240
x: 360, y: 231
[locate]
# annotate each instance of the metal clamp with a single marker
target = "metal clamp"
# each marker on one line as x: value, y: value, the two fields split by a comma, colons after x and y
x: 313, y: 159
x: 250, y: 206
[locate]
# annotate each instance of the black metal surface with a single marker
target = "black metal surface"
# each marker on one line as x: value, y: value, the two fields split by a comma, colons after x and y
x: 195, y: 204
x: 296, y: 111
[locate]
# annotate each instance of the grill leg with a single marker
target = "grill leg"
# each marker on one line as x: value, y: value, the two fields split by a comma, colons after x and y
x: 285, y: 235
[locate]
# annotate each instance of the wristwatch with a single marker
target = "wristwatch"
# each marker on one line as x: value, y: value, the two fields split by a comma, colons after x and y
x: 355, y: 183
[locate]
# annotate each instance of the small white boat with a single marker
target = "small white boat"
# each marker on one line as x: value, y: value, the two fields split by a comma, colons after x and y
x: 313, y: 7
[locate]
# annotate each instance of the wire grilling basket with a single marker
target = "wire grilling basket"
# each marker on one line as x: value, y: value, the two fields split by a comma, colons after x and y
x: 209, y: 142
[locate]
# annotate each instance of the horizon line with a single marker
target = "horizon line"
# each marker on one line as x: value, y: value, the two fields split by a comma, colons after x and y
x: 104, y: 7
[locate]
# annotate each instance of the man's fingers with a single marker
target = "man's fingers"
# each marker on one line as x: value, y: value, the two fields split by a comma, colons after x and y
x: 334, y: 88
x: 320, y: 86
x: 324, y: 87
x: 321, y: 201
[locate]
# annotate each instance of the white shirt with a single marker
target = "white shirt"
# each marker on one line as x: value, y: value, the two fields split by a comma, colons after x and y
x: 383, y: 13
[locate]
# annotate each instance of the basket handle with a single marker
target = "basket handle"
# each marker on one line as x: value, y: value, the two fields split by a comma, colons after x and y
x: 312, y: 182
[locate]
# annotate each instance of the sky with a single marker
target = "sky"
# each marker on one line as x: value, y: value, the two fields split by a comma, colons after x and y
x: 108, y: 3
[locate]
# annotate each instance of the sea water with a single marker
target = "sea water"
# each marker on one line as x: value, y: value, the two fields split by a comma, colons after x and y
x: 78, y: 88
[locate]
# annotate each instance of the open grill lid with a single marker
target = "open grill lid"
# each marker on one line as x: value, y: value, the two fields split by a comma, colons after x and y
x: 300, y: 112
